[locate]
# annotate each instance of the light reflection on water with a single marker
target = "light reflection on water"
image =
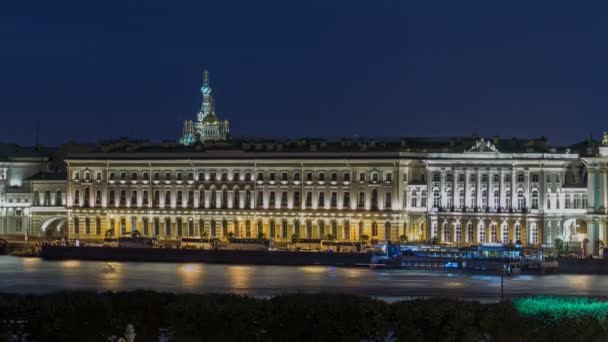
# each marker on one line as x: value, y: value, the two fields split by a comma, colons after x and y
x: 26, y: 275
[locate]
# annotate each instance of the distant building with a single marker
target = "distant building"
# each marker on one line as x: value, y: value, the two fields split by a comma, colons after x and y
x: 208, y: 126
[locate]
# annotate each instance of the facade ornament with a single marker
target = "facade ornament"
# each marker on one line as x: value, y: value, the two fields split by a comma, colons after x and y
x: 483, y: 146
x: 605, y: 139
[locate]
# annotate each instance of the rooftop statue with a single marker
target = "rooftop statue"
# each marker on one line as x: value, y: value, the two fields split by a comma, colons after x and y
x: 483, y: 146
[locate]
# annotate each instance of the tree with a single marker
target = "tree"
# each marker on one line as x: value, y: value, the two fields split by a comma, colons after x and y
x: 295, y: 238
x: 559, y: 246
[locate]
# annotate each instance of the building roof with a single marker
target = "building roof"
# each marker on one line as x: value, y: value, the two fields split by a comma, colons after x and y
x: 339, y: 147
x: 14, y: 152
x: 48, y: 176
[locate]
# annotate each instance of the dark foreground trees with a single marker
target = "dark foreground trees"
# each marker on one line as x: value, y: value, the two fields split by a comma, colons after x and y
x: 78, y: 316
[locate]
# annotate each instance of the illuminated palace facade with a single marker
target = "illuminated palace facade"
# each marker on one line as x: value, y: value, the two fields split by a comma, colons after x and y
x: 453, y: 190
x: 414, y: 189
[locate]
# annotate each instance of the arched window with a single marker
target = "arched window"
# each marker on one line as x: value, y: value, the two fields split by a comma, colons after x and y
x: 123, y: 226
x: 482, y: 233
x: 518, y: 233
x: 296, y: 227
x: 461, y: 198
x: 493, y: 233
x: 36, y: 198
x: 179, y: 225
x: 508, y: 198
x: 224, y: 227
x: 76, y: 226
x: 237, y: 227
x: 388, y: 201
x: 272, y: 229
x: 334, y: 229
x: 284, y: 229
x: 414, y: 196
x: 86, y: 197
x: 212, y: 201
x: 361, y: 229
x: 346, y: 230
x: 167, y: 226
x: 374, y: 199
x: 309, y: 229
x: 496, y: 199
x: 146, y: 228
x: 458, y: 232
x: 167, y: 198
x: 473, y: 198
x: 387, y: 231
x: 260, y: 228
x: 213, y: 228
x: 423, y: 198
x: 201, y: 199
x: 436, y: 198
x: 533, y: 233
x: 201, y: 227
x: 505, y: 233
x: 98, y: 226
x: 248, y: 199
x: 237, y: 199
x: 156, y: 226
x: 470, y: 233
x: 521, y: 200
x: 224, y: 198
x: 434, y: 230
x: 450, y: 199
x: 535, y: 200
x: 58, y: 199
x: 87, y: 226
x: 447, y: 234
x: 484, y: 198
x: 374, y: 229
x: 248, y: 228
x: 321, y: 229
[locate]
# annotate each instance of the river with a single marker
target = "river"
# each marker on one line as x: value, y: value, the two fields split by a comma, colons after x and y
x: 32, y: 275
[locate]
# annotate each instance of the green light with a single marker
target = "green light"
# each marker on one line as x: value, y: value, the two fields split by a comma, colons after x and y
x: 562, y: 307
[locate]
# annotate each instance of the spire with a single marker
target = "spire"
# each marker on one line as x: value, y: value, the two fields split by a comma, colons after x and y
x: 206, y: 77
x: 206, y: 88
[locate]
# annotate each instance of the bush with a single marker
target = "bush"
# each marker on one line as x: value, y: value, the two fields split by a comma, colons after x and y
x: 327, y: 317
x: 217, y: 317
x: 82, y: 316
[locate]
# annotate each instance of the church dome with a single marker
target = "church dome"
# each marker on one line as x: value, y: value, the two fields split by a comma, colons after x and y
x: 210, y: 120
x: 206, y: 89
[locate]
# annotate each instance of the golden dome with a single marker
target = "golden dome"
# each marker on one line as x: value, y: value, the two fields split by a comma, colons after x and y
x: 210, y: 120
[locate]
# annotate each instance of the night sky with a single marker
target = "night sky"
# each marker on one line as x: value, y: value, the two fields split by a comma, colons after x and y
x: 87, y: 70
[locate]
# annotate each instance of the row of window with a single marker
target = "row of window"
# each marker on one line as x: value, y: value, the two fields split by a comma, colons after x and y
x: 581, y: 201
x: 46, y: 200
x: 495, y: 177
x: 458, y: 235
x: 236, y: 175
x: 190, y: 230
x: 187, y: 198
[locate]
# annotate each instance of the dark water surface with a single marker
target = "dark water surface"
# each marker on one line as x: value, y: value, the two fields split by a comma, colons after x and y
x: 31, y: 275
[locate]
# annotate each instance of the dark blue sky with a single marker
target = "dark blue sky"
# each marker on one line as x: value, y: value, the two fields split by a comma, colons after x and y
x: 94, y: 69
